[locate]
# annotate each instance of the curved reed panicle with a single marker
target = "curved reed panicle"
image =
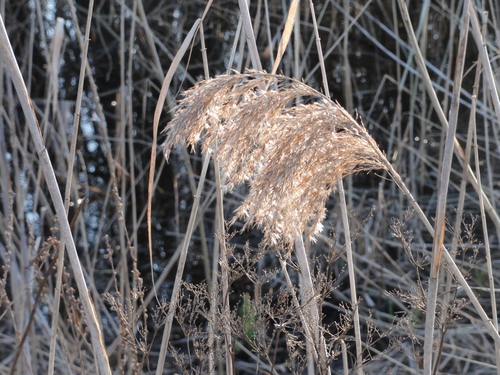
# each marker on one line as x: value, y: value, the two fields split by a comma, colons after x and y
x: 291, y: 155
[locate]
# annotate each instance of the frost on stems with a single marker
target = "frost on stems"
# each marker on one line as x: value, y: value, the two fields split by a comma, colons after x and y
x: 289, y: 142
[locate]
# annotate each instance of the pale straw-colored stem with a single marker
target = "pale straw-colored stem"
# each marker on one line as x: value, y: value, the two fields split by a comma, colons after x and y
x: 426, y: 80
x: 352, y: 279
x: 345, y: 221
x: 214, y: 289
x: 444, y: 181
x: 296, y: 303
x: 287, y: 31
x: 221, y: 242
x: 249, y: 35
x: 345, y: 361
x: 59, y: 29
x: 213, y: 279
x: 311, y: 305
x: 183, y: 254
x: 46, y: 164
x: 489, y: 266
x: 447, y: 294
x: 156, y: 120
x: 180, y: 269
x: 485, y: 60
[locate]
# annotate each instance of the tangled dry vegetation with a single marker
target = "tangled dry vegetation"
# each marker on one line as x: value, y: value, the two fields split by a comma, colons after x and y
x: 289, y: 260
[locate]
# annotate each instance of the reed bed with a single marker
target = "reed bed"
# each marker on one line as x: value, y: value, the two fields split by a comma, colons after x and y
x: 337, y: 215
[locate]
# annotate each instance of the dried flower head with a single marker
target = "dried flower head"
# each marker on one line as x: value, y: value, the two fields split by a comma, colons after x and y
x: 291, y: 154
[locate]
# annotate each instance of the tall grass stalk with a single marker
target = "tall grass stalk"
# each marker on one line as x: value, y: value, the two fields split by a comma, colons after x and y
x: 483, y: 54
x: 212, y: 280
x: 285, y: 38
x: 439, y: 231
x: 489, y: 267
x: 60, y: 261
x: 447, y: 297
x: 34, y: 128
x: 439, y: 111
x: 187, y: 238
x: 180, y: 270
x: 249, y: 34
x: 439, y: 228
x: 311, y: 307
x: 345, y: 218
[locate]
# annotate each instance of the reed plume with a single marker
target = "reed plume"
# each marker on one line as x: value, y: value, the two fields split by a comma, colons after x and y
x: 289, y: 142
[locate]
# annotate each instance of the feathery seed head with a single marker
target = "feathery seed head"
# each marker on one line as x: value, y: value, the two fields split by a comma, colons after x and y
x: 291, y: 156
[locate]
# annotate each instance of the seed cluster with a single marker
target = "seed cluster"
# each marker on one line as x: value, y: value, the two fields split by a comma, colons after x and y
x: 289, y: 142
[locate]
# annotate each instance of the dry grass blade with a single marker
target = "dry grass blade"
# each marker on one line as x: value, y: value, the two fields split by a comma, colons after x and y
x: 292, y: 156
x: 67, y: 192
x: 46, y: 164
x: 443, y: 196
x: 182, y: 260
x: 290, y: 22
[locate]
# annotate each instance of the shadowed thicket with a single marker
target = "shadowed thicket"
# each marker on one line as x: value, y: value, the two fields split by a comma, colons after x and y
x: 291, y: 155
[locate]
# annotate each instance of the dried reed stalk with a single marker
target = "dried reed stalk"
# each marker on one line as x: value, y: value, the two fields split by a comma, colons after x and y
x: 291, y: 155
x: 9, y: 59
